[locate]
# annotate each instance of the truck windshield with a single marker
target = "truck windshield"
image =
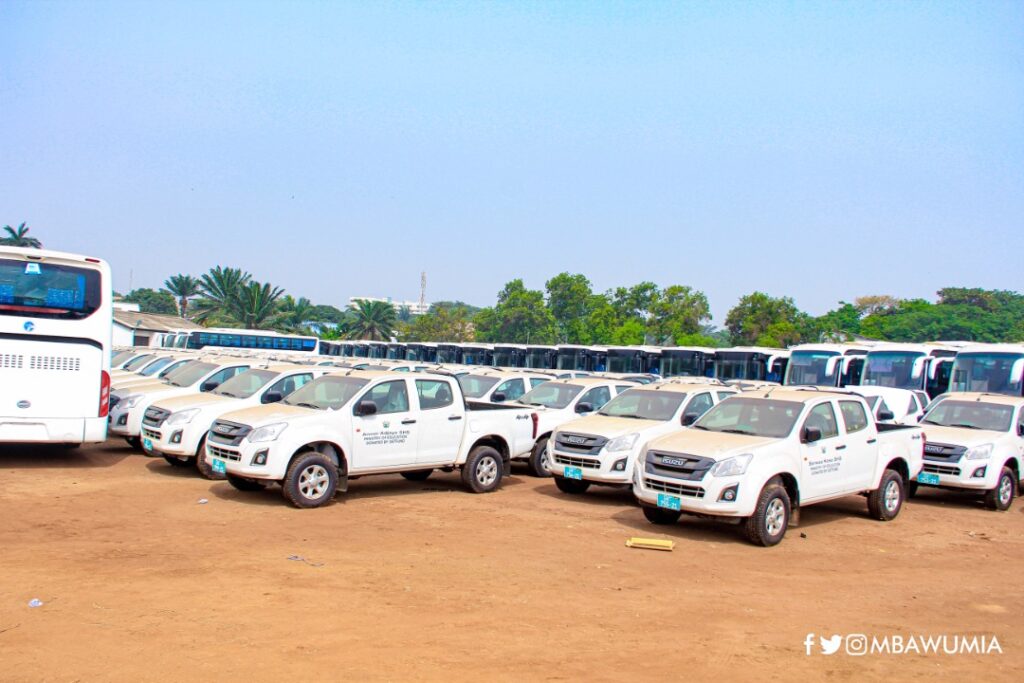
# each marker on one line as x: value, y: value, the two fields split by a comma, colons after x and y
x: 753, y: 416
x: 176, y: 365
x: 970, y: 415
x: 326, y: 393
x: 187, y: 375
x: 811, y: 368
x: 136, y: 363
x: 120, y: 358
x: 155, y: 367
x: 551, y: 395
x: 644, y: 404
x: 475, y: 386
x: 893, y: 369
x: 987, y: 372
x: 245, y: 384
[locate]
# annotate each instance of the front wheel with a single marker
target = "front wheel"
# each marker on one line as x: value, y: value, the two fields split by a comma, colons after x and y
x: 770, y: 520
x: 243, y: 484
x: 1001, y: 497
x: 661, y: 516
x: 311, y: 480
x: 204, y: 468
x: 537, y: 457
x: 174, y: 462
x: 886, y: 501
x: 574, y: 486
x: 482, y: 471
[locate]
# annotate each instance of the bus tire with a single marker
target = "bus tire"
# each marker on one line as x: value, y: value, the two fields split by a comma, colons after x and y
x: 311, y: 480
x: 536, y: 461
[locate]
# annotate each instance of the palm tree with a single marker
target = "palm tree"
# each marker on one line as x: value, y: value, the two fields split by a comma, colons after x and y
x: 374, y: 320
x: 183, y: 287
x: 18, y: 237
x: 255, y: 305
x: 220, y: 289
x: 292, y: 313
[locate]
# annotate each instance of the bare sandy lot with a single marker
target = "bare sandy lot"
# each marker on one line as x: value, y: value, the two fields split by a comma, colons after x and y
x: 402, y: 580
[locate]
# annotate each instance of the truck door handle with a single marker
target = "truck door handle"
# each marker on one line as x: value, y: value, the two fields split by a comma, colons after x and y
x: 409, y: 422
x: 455, y: 417
x: 872, y: 440
x: 840, y: 448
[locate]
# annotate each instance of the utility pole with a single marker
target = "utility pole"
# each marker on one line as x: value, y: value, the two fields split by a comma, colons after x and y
x: 423, y: 291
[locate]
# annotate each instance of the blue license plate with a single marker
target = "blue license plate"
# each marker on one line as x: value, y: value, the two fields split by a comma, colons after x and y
x: 573, y: 473
x: 219, y: 466
x: 147, y: 444
x: 928, y: 478
x: 668, y: 502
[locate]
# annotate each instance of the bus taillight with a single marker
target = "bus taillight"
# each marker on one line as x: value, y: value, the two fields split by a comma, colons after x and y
x: 104, y: 393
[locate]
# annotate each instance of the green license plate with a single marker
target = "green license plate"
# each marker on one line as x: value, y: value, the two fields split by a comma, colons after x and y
x: 928, y: 478
x: 219, y: 466
x: 147, y: 444
x: 668, y: 502
x: 573, y: 473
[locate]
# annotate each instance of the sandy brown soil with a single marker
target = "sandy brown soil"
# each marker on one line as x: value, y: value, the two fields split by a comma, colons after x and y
x: 424, y: 581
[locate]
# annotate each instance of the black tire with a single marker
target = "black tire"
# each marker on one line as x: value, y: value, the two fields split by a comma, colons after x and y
x: 536, y: 461
x: 885, y: 502
x: 204, y: 468
x: 912, y: 489
x: 171, y: 460
x: 134, y: 441
x: 764, y: 527
x: 483, y: 470
x: 574, y: 486
x: 311, y: 480
x: 661, y: 516
x: 70, y: 446
x: 417, y: 475
x: 243, y: 484
x: 1001, y: 497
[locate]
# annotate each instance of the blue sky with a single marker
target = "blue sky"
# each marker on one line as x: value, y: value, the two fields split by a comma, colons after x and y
x: 816, y: 150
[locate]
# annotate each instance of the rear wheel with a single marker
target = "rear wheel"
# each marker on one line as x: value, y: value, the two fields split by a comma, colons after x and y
x: 660, y: 516
x: 204, y: 468
x: 537, y: 456
x: 417, y: 475
x: 175, y: 462
x: 886, y: 501
x: 1001, y: 497
x: 574, y: 486
x: 482, y: 471
x: 243, y: 484
x: 311, y: 480
x: 768, y: 524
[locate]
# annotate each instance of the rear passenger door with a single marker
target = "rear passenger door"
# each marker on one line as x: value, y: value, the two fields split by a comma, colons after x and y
x: 439, y: 420
x: 861, y: 454
x: 389, y: 437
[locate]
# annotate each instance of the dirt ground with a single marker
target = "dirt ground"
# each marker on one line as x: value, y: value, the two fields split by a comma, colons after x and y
x: 424, y: 581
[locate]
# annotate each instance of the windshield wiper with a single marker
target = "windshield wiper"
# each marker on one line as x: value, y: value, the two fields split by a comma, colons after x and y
x: 932, y: 422
x: 306, y: 405
x: 735, y: 431
x: 699, y: 427
x: 965, y: 426
x: 228, y: 393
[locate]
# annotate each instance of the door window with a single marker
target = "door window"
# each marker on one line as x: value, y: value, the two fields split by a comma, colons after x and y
x: 390, y: 397
x: 222, y: 376
x: 597, y: 397
x: 512, y: 388
x: 722, y: 395
x: 824, y: 418
x: 287, y: 385
x: 537, y: 381
x: 700, y: 404
x: 854, y: 417
x: 433, y: 394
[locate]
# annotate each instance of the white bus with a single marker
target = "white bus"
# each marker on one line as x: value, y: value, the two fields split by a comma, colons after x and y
x: 256, y: 340
x: 55, y: 347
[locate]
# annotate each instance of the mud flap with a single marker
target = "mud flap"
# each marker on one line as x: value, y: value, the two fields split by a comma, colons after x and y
x: 342, y: 482
x: 794, y: 517
x: 506, y: 467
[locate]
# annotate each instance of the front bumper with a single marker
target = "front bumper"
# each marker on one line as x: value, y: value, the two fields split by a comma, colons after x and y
x: 238, y: 460
x: 707, y: 496
x: 978, y: 475
x: 126, y: 421
x: 605, y: 468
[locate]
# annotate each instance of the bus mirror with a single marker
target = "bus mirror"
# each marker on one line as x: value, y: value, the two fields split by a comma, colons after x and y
x: 584, y: 407
x: 810, y: 435
x: 918, y: 367
x: 1017, y: 370
x: 366, y: 408
x: 497, y: 397
x: 272, y: 397
x: 933, y: 369
x: 830, y: 365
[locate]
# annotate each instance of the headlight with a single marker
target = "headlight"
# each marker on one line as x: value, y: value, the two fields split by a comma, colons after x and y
x: 982, y: 452
x: 622, y: 443
x: 182, y: 418
x: 268, y: 433
x: 131, y: 400
x: 731, y: 467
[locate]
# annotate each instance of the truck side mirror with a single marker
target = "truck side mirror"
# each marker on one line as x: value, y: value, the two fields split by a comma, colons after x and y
x: 366, y: 408
x: 498, y: 397
x: 1020, y: 429
x: 810, y: 435
x: 209, y: 385
x: 884, y: 415
x: 584, y: 407
x: 689, y: 419
x: 272, y: 397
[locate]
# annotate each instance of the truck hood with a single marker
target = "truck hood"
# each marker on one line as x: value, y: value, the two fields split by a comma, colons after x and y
x: 193, y: 400
x: 958, y: 436
x: 138, y: 387
x: 715, y: 445
x: 608, y: 427
x: 261, y: 415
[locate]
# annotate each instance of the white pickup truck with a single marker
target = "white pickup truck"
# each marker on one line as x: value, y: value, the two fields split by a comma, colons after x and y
x: 343, y: 426
x: 976, y: 443
x: 602, y: 448
x: 758, y: 457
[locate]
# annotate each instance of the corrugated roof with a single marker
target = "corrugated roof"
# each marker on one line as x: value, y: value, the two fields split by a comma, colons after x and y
x: 154, y: 322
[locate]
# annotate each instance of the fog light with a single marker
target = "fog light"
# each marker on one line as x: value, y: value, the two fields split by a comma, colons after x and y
x: 123, y: 420
x: 619, y: 466
x: 260, y: 458
x: 729, y: 495
x: 176, y: 437
x: 979, y: 473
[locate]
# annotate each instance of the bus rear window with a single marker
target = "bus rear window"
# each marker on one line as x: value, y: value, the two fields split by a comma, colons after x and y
x: 47, y: 290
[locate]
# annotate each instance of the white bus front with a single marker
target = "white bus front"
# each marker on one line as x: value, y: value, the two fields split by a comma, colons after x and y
x: 55, y: 347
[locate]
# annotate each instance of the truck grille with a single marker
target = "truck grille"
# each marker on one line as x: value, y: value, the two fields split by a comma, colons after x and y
x: 943, y: 452
x: 59, y: 363
x: 677, y: 465
x: 675, y: 489
x: 11, y: 360
x: 941, y: 469
x: 155, y: 417
x: 576, y: 462
x: 228, y: 433
x: 223, y: 453
x: 151, y: 434
x: 579, y: 444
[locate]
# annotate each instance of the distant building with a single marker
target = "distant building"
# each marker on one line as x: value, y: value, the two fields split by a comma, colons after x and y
x: 132, y: 328
x: 414, y: 306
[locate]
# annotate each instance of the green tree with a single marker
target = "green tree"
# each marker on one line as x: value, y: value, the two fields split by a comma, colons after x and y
x: 220, y: 289
x: 184, y: 287
x: 328, y: 314
x: 569, y: 299
x: 761, y: 320
x: 635, y: 302
x: 19, y: 237
x: 153, y: 301
x: 839, y: 324
x: 519, y: 316
x: 469, y: 308
x: 677, y: 313
x: 293, y: 314
x: 255, y: 305
x: 404, y: 314
x: 439, y: 324
x: 373, y: 320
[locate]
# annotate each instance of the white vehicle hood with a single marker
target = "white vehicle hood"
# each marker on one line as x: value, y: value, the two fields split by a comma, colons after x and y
x: 192, y: 400
x: 608, y: 427
x: 259, y: 416
x: 960, y: 436
x: 714, y: 445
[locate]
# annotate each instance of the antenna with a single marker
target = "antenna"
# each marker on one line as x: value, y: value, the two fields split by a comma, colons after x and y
x: 423, y: 291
